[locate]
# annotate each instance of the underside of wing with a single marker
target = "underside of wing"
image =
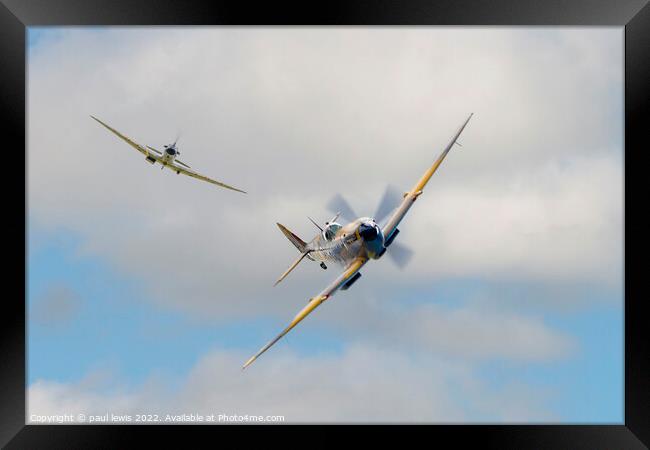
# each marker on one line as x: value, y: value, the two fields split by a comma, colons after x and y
x: 314, y: 302
x: 198, y: 176
x: 128, y: 140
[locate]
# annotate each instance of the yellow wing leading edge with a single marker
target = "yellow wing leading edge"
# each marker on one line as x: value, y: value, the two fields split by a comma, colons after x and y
x: 314, y: 302
x: 127, y: 139
x: 198, y: 176
x: 413, y: 194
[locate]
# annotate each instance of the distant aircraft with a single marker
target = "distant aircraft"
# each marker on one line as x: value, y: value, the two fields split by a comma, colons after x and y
x: 168, y: 158
x: 354, y: 244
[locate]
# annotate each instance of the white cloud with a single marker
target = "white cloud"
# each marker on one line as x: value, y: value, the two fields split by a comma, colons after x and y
x: 561, y: 222
x: 361, y: 385
x: 467, y: 333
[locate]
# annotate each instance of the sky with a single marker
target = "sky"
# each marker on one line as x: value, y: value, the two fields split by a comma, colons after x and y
x: 147, y: 291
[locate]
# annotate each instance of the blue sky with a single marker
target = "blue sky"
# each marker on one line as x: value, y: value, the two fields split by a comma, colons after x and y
x: 100, y: 255
x: 119, y: 329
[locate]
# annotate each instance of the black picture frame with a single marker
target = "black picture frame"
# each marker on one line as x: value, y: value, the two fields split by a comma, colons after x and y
x: 16, y: 15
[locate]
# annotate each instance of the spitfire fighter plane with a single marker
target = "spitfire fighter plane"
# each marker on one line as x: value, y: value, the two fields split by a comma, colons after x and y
x: 354, y: 244
x: 167, y: 158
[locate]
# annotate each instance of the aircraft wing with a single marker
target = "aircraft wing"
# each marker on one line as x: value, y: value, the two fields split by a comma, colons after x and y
x: 314, y: 302
x: 128, y: 140
x: 413, y: 194
x: 198, y: 176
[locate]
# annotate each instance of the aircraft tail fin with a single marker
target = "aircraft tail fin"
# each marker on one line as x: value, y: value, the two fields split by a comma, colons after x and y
x: 295, y: 240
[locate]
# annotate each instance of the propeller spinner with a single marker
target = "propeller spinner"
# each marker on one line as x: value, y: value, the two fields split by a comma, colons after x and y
x: 399, y: 254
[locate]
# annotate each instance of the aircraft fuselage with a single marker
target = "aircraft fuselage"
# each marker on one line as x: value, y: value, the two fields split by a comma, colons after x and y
x: 362, y: 237
x: 169, y: 155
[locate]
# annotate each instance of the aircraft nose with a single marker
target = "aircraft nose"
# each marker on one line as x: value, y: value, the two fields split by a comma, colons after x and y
x: 368, y: 232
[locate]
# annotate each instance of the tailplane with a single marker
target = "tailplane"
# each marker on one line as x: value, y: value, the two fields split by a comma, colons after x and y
x: 299, y: 244
x: 295, y: 240
x: 293, y: 266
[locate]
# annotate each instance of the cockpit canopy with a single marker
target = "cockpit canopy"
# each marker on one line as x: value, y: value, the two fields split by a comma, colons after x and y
x: 330, y: 230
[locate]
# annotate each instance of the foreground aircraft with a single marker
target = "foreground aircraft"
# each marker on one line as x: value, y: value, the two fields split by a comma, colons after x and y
x: 168, y: 158
x: 354, y: 244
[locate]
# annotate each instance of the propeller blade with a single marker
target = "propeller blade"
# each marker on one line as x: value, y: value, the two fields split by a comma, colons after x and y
x: 339, y: 205
x: 400, y: 254
x: 391, y: 199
